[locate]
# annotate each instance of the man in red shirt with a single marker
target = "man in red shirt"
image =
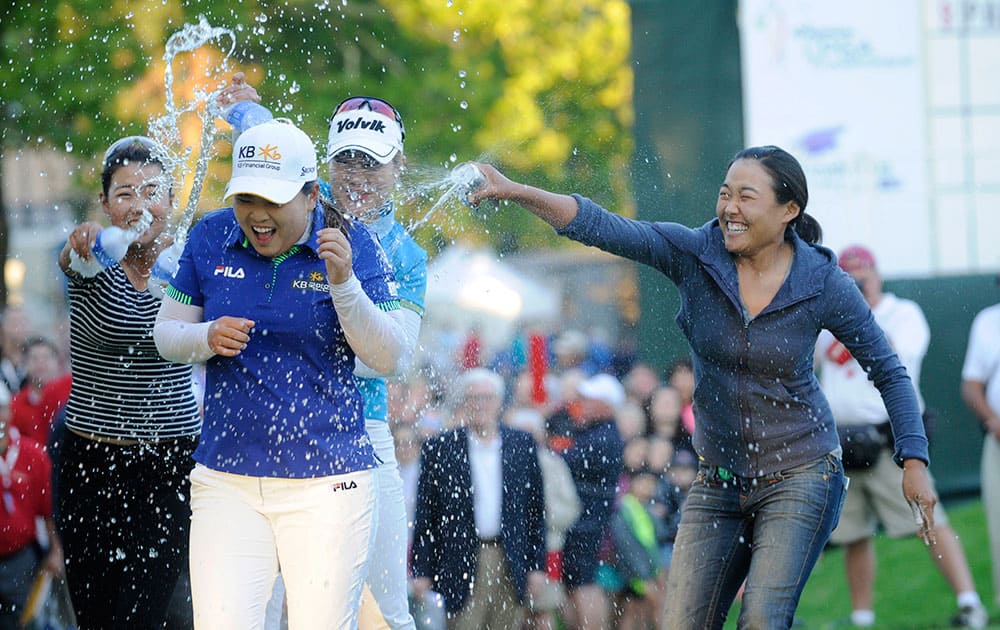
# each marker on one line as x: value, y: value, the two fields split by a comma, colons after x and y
x: 25, y: 495
x: 45, y: 392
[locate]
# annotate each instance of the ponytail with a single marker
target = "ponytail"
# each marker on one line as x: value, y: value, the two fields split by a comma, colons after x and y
x: 807, y: 227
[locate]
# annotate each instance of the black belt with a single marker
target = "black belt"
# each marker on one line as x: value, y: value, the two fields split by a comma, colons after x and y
x: 496, y: 540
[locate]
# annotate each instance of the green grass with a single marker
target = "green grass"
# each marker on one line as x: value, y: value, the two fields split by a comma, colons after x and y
x: 910, y: 594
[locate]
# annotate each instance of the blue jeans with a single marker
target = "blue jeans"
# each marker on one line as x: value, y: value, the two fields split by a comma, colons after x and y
x: 767, y: 530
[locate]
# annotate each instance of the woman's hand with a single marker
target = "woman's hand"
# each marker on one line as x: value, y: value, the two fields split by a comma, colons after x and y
x: 421, y: 586
x: 493, y: 186
x: 921, y: 496
x: 82, y: 238
x: 228, y: 336
x: 335, y: 250
x: 237, y: 90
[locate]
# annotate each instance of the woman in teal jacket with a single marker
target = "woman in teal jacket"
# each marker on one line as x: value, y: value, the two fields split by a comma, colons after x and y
x: 756, y: 289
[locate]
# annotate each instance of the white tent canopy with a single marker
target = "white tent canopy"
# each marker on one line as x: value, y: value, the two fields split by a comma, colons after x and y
x: 467, y: 289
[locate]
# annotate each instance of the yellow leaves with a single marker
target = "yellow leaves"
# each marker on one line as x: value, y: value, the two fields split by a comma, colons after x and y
x: 150, y: 19
x: 122, y: 58
x: 557, y: 57
x: 70, y: 23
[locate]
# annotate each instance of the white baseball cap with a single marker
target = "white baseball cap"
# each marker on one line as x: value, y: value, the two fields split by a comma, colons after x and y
x: 272, y: 160
x: 603, y: 387
x: 367, y: 130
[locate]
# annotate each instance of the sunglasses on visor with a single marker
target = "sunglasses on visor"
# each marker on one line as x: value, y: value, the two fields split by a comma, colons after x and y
x: 372, y: 104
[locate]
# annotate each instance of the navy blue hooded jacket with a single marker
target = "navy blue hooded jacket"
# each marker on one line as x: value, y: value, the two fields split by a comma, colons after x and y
x: 757, y: 402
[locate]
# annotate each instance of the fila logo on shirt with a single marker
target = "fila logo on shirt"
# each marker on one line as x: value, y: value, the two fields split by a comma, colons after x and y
x: 344, y: 485
x: 228, y: 272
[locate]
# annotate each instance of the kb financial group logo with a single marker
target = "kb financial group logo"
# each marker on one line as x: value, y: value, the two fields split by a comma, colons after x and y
x: 267, y: 156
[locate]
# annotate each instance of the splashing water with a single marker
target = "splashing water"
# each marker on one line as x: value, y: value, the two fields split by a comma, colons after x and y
x: 457, y: 184
x: 190, y: 38
x: 166, y: 129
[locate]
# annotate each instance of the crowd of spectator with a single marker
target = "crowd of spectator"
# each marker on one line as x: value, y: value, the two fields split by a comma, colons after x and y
x: 653, y: 462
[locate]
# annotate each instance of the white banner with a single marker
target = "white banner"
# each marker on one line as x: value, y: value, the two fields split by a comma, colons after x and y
x: 840, y: 85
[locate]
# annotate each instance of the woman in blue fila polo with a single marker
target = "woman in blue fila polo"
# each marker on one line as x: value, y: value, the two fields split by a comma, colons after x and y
x: 365, y: 159
x: 756, y: 289
x: 278, y: 306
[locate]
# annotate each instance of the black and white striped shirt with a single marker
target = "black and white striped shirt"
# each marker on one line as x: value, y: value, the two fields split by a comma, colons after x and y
x: 122, y: 387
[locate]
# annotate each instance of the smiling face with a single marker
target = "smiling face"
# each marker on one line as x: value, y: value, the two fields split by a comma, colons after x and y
x: 135, y: 187
x: 481, y: 407
x: 273, y: 228
x: 361, y: 185
x: 749, y: 213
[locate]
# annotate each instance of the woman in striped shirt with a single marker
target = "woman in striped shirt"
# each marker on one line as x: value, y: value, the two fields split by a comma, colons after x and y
x: 132, y: 421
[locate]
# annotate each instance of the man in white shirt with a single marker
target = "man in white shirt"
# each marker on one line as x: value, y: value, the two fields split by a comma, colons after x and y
x: 981, y: 392
x: 873, y: 496
x: 479, y: 531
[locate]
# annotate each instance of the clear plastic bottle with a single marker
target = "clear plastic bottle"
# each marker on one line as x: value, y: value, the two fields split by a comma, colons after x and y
x: 164, y: 269
x: 245, y: 114
x: 110, y: 247
x: 466, y: 178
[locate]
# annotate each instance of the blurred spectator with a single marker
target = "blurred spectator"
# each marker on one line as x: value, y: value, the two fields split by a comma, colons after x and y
x: 873, y: 501
x: 633, y: 459
x: 625, y: 354
x: 683, y: 470
x: 427, y: 612
x: 663, y: 461
x: 559, y: 424
x: 681, y: 377
x: 562, y: 508
x: 45, y: 392
x: 570, y: 350
x: 26, y: 489
x: 479, y: 535
x: 408, y: 443
x: 665, y: 408
x: 472, y: 349
x: 599, y: 352
x: 630, y: 420
x: 659, y: 454
x: 636, y: 533
x: 640, y: 383
x: 981, y: 393
x: 523, y: 390
x: 595, y: 460
x: 15, y: 328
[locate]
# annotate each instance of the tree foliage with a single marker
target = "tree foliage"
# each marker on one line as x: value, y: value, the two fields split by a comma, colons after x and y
x: 542, y: 89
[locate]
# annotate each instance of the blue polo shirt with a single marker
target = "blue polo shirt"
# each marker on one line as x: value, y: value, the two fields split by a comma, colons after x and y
x: 409, y: 261
x: 287, y: 406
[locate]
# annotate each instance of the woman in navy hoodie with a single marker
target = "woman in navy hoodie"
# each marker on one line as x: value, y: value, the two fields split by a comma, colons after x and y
x: 756, y: 289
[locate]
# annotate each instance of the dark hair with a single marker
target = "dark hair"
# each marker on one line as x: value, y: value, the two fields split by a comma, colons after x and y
x: 38, y: 340
x: 136, y: 152
x: 789, y: 185
x: 333, y: 216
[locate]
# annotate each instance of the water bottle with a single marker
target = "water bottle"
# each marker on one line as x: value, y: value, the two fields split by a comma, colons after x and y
x: 246, y: 114
x: 466, y: 178
x: 110, y: 247
x: 164, y: 269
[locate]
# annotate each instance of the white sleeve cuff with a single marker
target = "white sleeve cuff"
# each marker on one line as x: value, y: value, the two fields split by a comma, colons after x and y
x: 375, y: 336
x: 180, y: 334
